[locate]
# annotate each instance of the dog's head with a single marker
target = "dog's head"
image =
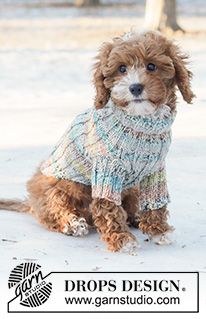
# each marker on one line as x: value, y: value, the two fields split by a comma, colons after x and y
x: 140, y: 73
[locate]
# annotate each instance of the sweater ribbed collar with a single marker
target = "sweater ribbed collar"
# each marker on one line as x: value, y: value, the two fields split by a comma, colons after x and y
x: 156, y: 123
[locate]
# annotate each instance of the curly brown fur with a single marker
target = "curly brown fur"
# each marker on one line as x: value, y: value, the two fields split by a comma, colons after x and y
x: 130, y: 203
x: 110, y: 221
x: 52, y: 201
x: 103, y: 93
x: 154, y: 222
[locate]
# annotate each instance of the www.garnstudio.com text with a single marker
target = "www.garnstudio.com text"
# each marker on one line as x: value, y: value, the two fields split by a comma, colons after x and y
x: 127, y: 300
x: 126, y: 286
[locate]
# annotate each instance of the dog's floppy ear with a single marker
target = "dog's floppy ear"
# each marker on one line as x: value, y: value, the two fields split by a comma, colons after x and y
x: 102, y: 93
x: 183, y: 76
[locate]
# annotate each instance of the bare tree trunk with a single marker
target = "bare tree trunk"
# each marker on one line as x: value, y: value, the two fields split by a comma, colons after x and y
x: 161, y: 15
x: 86, y: 3
x: 153, y: 12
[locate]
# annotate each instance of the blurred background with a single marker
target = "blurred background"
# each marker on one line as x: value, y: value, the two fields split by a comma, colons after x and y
x: 46, y: 56
x: 47, y: 46
x: 47, y: 49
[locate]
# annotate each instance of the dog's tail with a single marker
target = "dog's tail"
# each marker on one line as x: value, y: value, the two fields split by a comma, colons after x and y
x: 15, y: 205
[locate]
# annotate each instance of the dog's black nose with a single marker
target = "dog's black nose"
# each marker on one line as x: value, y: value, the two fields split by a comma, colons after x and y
x: 136, y: 89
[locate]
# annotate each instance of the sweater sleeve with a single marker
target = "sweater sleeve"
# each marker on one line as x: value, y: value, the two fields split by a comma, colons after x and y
x: 107, y: 179
x: 153, y: 191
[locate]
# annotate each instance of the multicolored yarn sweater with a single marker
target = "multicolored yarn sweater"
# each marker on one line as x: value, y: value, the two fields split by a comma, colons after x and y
x: 112, y: 151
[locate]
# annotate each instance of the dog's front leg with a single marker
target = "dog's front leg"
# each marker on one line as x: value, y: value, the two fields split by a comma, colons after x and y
x: 110, y: 221
x: 154, y: 224
x: 153, y: 214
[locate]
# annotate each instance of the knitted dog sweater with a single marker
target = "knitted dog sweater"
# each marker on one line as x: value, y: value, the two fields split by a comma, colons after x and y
x: 112, y: 151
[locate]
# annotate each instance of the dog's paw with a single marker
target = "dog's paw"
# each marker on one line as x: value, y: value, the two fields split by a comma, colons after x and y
x: 130, y: 248
x: 123, y: 242
x: 77, y: 227
x: 162, y: 240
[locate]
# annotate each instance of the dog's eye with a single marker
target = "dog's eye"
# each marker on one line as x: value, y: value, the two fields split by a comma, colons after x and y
x: 151, y: 67
x: 122, y: 69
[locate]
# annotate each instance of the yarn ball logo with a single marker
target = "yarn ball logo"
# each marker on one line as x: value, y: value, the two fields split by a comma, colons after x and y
x: 30, y: 286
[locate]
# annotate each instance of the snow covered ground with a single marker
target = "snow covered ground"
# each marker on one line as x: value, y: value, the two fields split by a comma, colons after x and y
x: 45, y: 70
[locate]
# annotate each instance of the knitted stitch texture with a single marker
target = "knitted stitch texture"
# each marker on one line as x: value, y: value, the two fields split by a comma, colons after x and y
x: 112, y: 151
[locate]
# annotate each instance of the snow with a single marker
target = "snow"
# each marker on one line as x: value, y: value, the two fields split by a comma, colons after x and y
x: 45, y: 81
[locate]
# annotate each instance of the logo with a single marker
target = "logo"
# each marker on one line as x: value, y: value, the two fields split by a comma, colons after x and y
x: 102, y: 292
x: 30, y: 286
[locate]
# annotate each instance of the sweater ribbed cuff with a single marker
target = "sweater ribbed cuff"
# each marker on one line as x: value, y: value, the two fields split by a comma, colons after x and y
x: 107, y: 179
x: 153, y: 191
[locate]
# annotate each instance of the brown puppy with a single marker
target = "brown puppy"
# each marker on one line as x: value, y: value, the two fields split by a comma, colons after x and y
x: 147, y: 66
